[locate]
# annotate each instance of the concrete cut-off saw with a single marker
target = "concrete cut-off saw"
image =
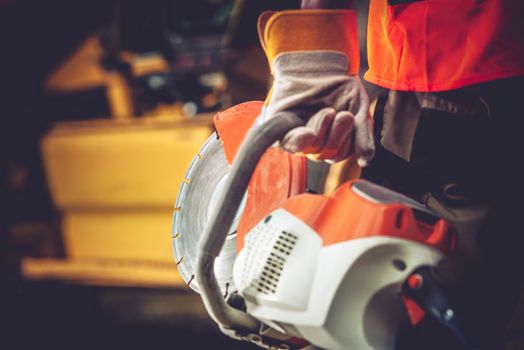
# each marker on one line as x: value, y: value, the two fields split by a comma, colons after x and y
x: 285, y: 268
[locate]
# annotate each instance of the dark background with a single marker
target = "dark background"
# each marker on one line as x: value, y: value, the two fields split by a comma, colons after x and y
x: 36, y: 37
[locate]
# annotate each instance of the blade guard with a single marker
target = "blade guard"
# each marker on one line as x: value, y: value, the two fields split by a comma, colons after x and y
x: 278, y: 176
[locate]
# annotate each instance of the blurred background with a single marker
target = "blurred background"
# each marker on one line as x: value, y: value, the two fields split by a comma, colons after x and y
x: 103, y: 104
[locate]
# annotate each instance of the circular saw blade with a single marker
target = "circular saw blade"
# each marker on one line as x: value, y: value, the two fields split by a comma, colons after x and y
x: 195, y: 202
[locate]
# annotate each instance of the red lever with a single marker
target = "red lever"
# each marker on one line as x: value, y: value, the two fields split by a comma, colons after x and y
x: 416, y: 313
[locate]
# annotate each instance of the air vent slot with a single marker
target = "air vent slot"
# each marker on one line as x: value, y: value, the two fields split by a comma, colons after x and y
x: 267, y: 283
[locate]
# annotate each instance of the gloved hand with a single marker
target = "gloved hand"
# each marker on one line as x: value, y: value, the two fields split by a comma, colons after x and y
x: 314, y: 60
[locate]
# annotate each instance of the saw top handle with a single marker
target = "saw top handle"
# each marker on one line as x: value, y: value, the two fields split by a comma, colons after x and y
x: 256, y: 142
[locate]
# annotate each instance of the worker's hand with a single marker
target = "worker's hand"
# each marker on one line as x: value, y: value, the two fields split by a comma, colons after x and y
x: 314, y: 61
x: 316, y: 86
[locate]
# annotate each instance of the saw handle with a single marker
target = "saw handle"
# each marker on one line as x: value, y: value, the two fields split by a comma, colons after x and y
x: 257, y: 141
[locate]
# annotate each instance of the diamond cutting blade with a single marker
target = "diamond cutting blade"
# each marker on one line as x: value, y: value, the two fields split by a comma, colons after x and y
x: 195, y: 202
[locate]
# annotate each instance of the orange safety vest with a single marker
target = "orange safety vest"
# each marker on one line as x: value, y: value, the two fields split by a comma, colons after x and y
x: 436, y: 45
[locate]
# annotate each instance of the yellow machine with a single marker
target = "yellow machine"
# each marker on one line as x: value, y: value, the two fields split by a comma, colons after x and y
x: 114, y: 180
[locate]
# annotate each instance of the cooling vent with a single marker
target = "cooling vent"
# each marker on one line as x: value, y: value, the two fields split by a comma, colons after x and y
x: 268, y: 281
x: 267, y: 249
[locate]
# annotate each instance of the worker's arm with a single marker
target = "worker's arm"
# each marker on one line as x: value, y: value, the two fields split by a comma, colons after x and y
x: 314, y: 59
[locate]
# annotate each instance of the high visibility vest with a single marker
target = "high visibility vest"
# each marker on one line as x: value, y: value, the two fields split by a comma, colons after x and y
x: 436, y: 45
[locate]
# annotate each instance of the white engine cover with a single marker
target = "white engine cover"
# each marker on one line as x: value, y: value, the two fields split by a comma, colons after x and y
x: 341, y: 296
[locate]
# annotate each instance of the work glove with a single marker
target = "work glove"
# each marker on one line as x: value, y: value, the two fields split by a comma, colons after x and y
x: 314, y: 60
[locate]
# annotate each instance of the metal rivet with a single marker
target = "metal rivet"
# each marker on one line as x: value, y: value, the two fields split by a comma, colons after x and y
x: 448, y: 314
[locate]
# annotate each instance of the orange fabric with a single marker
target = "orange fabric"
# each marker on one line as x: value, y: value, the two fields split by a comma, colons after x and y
x: 435, y: 45
x: 310, y: 30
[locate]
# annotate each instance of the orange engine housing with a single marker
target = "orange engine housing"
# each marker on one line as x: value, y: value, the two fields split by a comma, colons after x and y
x: 347, y: 214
